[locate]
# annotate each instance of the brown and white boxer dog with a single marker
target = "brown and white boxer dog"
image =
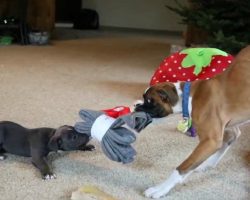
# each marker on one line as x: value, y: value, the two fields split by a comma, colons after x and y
x: 219, y: 106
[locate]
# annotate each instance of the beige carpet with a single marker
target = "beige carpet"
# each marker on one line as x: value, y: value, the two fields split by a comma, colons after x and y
x: 46, y: 86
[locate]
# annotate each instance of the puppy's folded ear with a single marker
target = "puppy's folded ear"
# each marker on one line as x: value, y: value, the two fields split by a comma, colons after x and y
x: 169, y: 96
x: 54, y: 143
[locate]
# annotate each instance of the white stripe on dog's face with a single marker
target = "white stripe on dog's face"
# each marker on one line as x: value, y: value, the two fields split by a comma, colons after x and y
x: 146, y: 90
x: 159, y: 100
x: 178, y: 107
x: 178, y: 88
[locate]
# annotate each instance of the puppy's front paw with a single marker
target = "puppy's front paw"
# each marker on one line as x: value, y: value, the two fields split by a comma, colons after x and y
x: 49, y: 176
x: 88, y: 148
x: 2, y: 157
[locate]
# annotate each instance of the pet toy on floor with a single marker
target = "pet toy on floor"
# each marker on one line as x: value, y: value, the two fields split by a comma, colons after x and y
x: 115, y: 129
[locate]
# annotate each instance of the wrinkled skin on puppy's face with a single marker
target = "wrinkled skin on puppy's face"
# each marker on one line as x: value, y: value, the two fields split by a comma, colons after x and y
x: 66, y: 138
x: 159, y: 100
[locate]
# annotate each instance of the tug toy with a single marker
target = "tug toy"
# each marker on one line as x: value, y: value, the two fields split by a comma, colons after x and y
x: 115, y: 129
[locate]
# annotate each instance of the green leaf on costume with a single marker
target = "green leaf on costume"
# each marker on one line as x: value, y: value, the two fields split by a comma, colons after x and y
x: 199, y: 57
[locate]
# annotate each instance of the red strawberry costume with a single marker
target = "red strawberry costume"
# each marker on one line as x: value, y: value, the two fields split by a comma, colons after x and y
x: 192, y: 64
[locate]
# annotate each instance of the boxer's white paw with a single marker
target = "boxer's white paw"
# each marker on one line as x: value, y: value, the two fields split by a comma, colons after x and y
x: 162, y: 190
x: 157, y: 191
x: 49, y: 176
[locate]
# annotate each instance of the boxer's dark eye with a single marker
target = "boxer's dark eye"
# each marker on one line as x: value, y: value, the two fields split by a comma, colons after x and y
x: 150, y: 101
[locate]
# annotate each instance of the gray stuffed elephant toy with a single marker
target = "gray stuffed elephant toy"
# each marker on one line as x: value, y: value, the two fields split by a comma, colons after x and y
x: 115, y: 135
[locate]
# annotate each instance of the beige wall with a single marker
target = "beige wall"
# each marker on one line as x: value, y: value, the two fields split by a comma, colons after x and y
x: 142, y: 14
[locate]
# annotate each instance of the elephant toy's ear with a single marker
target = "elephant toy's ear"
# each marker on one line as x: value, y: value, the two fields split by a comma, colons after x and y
x: 85, y: 115
x: 117, y: 123
x: 137, y: 120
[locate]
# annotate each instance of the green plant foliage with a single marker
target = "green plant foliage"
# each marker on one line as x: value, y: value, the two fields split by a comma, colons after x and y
x: 227, y: 22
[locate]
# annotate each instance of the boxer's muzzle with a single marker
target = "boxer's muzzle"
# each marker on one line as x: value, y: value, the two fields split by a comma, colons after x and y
x: 158, y: 100
x: 153, y: 111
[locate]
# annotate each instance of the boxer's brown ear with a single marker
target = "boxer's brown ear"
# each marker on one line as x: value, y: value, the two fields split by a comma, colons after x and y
x: 168, y: 96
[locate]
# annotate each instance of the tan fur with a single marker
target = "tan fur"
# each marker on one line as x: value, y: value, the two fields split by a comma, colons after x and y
x: 219, y: 105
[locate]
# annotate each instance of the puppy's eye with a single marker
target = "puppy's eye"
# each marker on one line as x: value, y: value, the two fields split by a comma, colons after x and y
x: 74, y: 137
x: 59, y: 142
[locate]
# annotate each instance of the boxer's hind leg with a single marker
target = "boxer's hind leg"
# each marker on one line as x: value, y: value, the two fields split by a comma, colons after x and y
x: 230, y: 136
x: 210, y: 141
